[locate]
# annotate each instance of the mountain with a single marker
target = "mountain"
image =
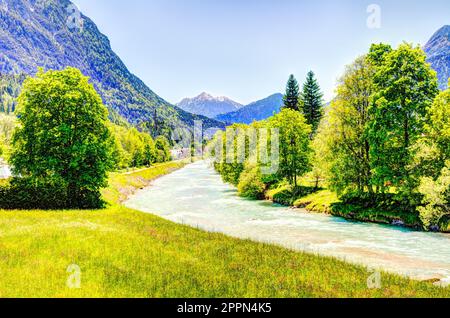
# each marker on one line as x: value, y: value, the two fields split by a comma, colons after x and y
x: 255, y: 111
x: 209, y: 106
x: 438, y: 53
x: 53, y: 34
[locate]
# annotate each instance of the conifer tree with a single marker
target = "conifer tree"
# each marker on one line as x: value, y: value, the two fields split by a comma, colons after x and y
x: 311, y: 102
x: 292, y: 96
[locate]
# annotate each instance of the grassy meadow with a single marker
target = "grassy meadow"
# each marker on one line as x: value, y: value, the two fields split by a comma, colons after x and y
x: 125, y: 253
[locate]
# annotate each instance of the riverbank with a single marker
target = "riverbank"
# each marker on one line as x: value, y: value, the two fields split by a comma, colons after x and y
x: 125, y: 253
x: 327, y: 202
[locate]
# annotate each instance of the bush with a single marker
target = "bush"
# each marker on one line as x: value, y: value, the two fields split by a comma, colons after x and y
x: 250, y: 184
x: 44, y: 194
x: 230, y: 172
x: 385, y: 208
x: 287, y: 195
x: 382, y: 201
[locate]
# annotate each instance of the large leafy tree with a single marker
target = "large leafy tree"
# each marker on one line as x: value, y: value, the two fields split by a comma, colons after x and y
x: 311, y: 101
x: 63, y: 135
x: 345, y: 145
x: 431, y: 162
x: 292, y: 97
x: 295, y: 149
x: 406, y: 86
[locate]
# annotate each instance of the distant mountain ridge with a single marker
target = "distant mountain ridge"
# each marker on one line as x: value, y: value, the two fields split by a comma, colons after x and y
x: 438, y: 54
x: 255, y: 111
x: 208, y: 105
x: 36, y: 33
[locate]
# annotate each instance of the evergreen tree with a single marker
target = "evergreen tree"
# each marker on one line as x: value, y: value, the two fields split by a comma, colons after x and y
x: 292, y: 96
x: 311, y: 101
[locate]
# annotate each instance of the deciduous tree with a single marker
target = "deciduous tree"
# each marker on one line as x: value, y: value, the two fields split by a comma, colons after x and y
x: 63, y: 135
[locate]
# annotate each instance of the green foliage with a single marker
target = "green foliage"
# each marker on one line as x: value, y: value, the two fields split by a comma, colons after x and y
x: 7, y: 126
x: 320, y: 201
x: 431, y: 162
x: 384, y: 202
x: 162, y: 148
x: 63, y: 135
x: 230, y: 172
x: 377, y: 53
x: 228, y: 147
x: 43, y: 194
x: 383, y: 136
x: 295, y: 151
x: 311, y: 101
x: 405, y: 87
x: 436, y: 198
x: 288, y: 195
x: 133, y: 148
x: 10, y: 86
x: 251, y: 184
x: 342, y: 142
x: 292, y: 97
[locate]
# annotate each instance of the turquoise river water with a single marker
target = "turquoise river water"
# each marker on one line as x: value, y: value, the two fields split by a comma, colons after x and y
x: 196, y: 196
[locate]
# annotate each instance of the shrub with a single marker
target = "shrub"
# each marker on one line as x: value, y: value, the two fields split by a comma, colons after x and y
x: 382, y: 201
x: 39, y: 193
x: 230, y: 172
x: 287, y: 195
x: 250, y: 184
x: 436, y: 199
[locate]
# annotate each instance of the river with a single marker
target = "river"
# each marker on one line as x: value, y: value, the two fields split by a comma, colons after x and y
x: 196, y: 196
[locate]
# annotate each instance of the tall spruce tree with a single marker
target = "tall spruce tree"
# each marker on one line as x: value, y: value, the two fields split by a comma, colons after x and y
x: 292, y: 97
x: 311, y: 101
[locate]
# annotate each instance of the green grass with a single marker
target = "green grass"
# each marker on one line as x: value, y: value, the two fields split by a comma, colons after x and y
x: 286, y: 195
x: 326, y: 201
x: 122, y: 184
x: 125, y: 253
x: 320, y: 201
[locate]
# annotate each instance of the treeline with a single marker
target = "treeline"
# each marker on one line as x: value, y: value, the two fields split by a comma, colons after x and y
x: 383, y: 143
x: 253, y: 176
x: 267, y: 165
x: 136, y: 149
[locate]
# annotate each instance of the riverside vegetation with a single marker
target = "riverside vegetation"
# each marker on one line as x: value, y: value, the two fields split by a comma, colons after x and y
x: 63, y: 143
x: 125, y: 253
x: 380, y: 152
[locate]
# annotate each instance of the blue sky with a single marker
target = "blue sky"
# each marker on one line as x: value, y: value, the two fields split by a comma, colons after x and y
x: 246, y: 49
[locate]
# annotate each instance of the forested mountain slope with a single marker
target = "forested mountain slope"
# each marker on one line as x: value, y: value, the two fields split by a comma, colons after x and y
x: 52, y: 34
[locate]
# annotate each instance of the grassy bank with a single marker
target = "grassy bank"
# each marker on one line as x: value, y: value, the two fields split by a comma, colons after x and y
x: 125, y: 253
x: 123, y: 184
x: 326, y: 201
